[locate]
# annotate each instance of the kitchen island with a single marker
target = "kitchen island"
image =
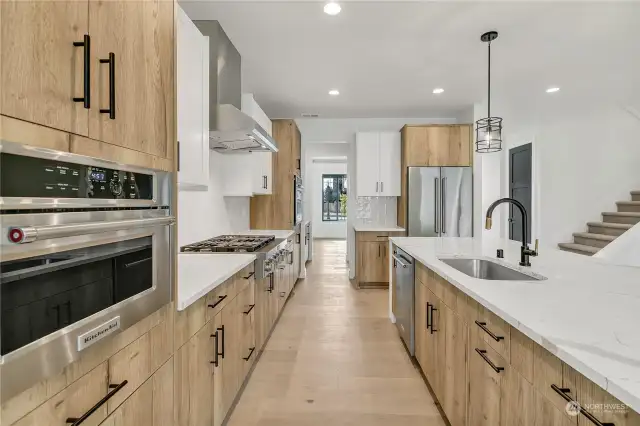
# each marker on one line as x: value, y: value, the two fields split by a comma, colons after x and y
x: 575, y: 329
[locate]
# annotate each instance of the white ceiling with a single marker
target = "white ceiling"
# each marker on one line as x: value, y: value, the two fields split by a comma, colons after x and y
x: 387, y: 57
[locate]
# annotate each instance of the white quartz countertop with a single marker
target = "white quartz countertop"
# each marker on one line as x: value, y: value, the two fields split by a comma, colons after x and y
x: 199, y: 273
x: 377, y: 228
x: 278, y: 233
x: 587, y: 312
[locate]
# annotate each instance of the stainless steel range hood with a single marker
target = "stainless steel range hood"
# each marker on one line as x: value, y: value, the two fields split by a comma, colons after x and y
x: 231, y: 130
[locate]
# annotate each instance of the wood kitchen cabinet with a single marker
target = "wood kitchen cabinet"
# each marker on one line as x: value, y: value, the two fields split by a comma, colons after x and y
x: 150, y: 405
x: 132, y: 79
x: 454, y: 387
x: 486, y: 384
x: 372, y: 258
x: 42, y: 70
x: 275, y: 211
x: 378, y: 164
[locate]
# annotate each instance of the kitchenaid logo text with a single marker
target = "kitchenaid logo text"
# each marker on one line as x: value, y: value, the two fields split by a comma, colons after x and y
x: 92, y: 336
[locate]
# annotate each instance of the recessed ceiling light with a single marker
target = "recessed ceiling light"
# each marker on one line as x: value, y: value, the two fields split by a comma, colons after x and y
x: 334, y: 92
x: 332, y: 8
x: 438, y: 90
x: 552, y: 89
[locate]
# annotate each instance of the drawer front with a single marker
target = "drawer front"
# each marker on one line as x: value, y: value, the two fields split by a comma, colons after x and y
x: 373, y: 236
x: 548, y: 371
x: 74, y: 401
x: 487, y: 382
x: 133, y: 364
x: 220, y: 296
x: 493, y: 330
x: 603, y: 406
x: 245, y: 278
x: 426, y: 276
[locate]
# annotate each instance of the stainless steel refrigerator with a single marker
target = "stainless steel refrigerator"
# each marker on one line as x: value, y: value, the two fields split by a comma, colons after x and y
x: 440, y: 202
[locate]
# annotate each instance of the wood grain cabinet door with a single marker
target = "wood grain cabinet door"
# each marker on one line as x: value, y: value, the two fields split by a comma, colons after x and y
x: 485, y: 385
x: 194, y: 379
x: 135, y: 39
x: 454, y: 389
x: 41, y: 70
x: 372, y: 267
x: 421, y: 330
x: 150, y: 405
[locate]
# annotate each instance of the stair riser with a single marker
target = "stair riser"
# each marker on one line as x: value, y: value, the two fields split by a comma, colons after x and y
x: 620, y: 219
x: 635, y: 197
x: 606, y: 231
x: 576, y: 251
x: 628, y: 208
x: 590, y: 242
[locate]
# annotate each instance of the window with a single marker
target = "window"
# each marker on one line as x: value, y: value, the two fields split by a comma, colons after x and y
x: 334, y: 197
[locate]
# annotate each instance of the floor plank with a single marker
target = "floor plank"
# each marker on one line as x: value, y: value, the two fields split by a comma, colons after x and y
x: 334, y: 358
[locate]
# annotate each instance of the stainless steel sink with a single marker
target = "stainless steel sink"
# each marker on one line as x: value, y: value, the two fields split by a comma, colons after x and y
x: 487, y: 270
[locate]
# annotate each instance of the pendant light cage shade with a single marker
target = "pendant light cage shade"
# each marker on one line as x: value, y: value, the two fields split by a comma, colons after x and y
x: 489, y: 135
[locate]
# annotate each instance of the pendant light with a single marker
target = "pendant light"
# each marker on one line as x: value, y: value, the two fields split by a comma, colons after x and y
x: 489, y: 129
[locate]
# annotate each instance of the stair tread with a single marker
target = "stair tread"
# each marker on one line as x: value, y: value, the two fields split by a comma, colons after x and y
x: 635, y: 192
x: 610, y: 225
x: 579, y: 247
x: 594, y: 236
x: 629, y: 203
x: 631, y: 214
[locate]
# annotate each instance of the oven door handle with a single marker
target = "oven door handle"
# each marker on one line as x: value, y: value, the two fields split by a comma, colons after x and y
x: 28, y: 234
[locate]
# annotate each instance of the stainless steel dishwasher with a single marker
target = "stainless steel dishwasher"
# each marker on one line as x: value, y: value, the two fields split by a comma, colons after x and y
x: 404, y: 270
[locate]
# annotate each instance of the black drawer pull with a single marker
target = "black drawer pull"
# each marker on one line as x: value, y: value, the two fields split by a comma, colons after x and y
x: 112, y: 85
x: 137, y: 262
x: 86, y: 84
x: 483, y: 354
x: 220, y: 299
x: 215, y: 349
x: 249, y: 276
x: 250, y: 353
x: 483, y: 326
x: 428, y: 312
x: 270, y: 288
x: 114, y: 389
x: 222, y: 330
x: 250, y: 309
x: 563, y: 393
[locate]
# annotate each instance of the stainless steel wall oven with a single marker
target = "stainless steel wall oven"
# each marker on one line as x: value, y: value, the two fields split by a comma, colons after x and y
x: 85, y: 252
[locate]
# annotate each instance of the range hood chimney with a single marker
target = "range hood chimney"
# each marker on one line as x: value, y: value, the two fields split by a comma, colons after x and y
x: 231, y: 130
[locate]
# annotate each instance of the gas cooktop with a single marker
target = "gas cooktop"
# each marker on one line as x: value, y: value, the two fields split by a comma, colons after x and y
x: 230, y: 244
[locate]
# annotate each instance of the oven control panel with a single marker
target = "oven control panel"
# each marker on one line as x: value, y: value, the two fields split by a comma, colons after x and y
x: 30, y: 177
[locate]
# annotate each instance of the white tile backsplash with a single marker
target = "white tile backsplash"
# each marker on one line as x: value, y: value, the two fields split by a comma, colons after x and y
x: 376, y: 211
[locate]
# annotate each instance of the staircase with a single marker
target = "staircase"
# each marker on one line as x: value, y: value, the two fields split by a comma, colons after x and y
x: 613, y: 224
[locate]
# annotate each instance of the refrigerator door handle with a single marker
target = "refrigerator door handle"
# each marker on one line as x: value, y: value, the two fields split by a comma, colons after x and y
x: 435, y: 206
x: 443, y: 205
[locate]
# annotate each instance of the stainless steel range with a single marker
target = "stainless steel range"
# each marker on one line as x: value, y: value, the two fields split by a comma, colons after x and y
x: 269, y: 250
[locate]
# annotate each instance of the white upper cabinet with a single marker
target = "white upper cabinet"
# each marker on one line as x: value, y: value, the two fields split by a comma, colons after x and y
x: 378, y: 164
x: 247, y: 174
x: 193, y: 104
x: 390, y: 169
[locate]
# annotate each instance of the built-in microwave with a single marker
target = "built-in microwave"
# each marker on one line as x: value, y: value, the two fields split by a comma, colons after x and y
x: 85, y: 252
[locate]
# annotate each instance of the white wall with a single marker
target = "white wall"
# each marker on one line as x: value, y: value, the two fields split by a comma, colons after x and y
x: 585, y: 158
x: 317, y: 137
x: 318, y: 167
x: 206, y: 214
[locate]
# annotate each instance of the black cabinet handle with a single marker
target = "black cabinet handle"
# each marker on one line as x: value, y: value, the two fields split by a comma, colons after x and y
x: 250, y: 353
x: 215, y: 349
x: 298, y: 160
x: 249, y: 310
x: 249, y: 276
x: 222, y: 330
x: 483, y: 326
x: 428, y: 312
x: 137, y: 262
x: 114, y: 389
x: 484, y: 356
x: 86, y: 96
x: 220, y: 299
x: 563, y: 393
x: 270, y: 288
x: 433, y: 330
x: 112, y: 85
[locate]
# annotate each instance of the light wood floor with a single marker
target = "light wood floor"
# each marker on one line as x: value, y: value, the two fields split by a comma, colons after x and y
x: 335, y: 359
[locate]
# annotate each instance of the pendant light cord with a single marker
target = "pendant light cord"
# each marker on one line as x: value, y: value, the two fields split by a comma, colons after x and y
x: 489, y: 85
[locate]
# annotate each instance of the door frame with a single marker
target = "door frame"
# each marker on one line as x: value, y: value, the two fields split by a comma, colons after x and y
x: 534, y: 214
